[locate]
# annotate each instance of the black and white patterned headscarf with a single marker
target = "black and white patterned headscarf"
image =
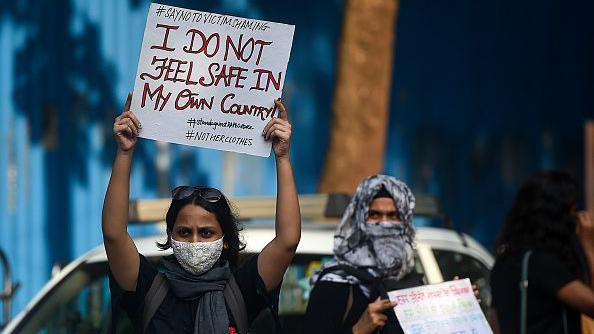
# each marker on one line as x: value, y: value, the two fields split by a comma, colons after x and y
x: 385, y: 249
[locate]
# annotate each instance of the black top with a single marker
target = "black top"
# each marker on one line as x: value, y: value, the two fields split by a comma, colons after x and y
x: 547, y: 274
x: 177, y: 316
x: 328, y: 302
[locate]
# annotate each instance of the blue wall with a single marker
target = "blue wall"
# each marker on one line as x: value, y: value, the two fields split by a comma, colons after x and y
x: 484, y: 93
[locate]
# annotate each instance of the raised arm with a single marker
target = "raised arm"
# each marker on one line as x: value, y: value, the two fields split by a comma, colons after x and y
x: 122, y: 254
x: 276, y: 256
x: 585, y: 234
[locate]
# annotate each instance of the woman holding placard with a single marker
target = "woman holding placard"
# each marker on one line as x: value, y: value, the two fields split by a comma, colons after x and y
x: 541, y: 280
x: 373, y: 254
x: 202, y: 289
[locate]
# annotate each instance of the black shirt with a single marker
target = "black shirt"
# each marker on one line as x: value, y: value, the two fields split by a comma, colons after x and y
x: 328, y: 303
x: 547, y: 274
x: 177, y: 316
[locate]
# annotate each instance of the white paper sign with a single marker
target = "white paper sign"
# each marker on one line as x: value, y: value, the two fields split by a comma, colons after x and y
x: 444, y: 308
x: 210, y: 80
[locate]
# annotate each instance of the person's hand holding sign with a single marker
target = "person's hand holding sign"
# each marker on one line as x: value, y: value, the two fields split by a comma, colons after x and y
x: 126, y: 128
x: 475, y: 290
x: 373, y: 317
x: 279, y: 131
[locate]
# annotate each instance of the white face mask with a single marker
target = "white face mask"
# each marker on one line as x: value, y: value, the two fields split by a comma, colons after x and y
x: 197, y: 257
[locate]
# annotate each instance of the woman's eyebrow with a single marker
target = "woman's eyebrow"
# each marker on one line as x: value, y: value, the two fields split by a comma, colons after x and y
x: 182, y: 226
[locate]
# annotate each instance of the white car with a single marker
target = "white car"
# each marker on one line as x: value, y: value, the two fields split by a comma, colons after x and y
x: 76, y: 299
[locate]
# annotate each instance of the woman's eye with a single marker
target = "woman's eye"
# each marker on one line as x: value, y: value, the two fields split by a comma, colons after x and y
x: 183, y: 232
x: 206, y: 233
x: 394, y: 216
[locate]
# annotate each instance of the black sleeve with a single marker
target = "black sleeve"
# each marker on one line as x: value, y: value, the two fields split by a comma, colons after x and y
x: 253, y: 289
x: 550, y: 272
x: 494, y: 279
x: 500, y: 278
x: 326, y: 308
x: 132, y: 302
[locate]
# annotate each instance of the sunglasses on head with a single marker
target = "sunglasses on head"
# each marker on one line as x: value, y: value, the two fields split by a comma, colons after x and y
x: 208, y: 194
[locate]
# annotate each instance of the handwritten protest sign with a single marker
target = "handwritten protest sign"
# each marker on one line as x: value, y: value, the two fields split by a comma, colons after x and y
x: 210, y: 80
x: 444, y: 308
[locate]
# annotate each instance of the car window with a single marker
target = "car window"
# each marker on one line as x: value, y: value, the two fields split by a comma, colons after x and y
x: 78, y: 304
x: 294, y: 295
x: 452, y: 263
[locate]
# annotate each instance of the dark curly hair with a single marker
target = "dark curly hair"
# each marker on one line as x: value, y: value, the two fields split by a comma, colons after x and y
x: 225, y: 216
x: 542, y: 217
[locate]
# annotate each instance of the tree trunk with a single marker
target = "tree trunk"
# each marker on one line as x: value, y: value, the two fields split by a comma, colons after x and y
x: 361, y: 101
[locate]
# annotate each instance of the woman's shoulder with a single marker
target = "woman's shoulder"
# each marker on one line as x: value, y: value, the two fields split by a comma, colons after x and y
x: 253, y: 289
x: 411, y: 280
x: 511, y: 257
x: 510, y: 262
x: 331, y: 296
x: 331, y: 288
x: 539, y: 261
x: 333, y: 284
x: 132, y: 302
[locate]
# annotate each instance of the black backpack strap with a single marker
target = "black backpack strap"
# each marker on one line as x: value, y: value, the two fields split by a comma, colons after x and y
x: 524, y: 297
x: 524, y: 292
x: 365, y: 277
x: 349, y: 304
x: 236, y: 304
x: 153, y: 299
x: 271, y: 305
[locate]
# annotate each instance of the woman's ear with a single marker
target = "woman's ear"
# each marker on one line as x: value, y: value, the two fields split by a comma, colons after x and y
x: 225, y: 246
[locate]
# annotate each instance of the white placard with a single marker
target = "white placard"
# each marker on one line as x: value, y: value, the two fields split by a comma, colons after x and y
x: 444, y: 308
x: 210, y: 80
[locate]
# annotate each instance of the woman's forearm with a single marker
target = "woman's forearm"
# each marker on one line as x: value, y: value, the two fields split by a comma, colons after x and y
x: 122, y: 255
x: 115, y: 205
x: 585, y: 234
x: 288, y: 216
x: 588, y: 247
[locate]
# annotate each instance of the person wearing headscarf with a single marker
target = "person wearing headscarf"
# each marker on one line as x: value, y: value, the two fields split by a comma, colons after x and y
x: 374, y: 244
